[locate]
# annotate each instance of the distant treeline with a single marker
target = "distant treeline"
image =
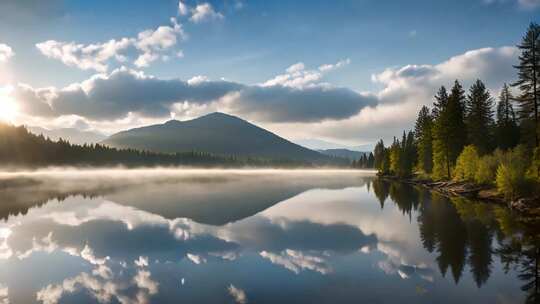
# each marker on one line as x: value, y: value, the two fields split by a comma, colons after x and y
x: 366, y: 161
x: 460, y: 138
x: 20, y: 148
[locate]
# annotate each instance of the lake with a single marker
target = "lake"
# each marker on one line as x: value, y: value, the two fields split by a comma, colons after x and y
x: 254, y: 236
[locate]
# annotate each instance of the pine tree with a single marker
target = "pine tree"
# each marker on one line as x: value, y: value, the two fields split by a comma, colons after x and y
x: 528, y: 82
x: 379, y: 156
x: 441, y: 100
x: 424, y: 139
x: 449, y: 131
x: 479, y: 118
x: 507, y: 130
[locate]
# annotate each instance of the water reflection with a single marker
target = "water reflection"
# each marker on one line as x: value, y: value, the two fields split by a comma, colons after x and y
x: 261, y: 237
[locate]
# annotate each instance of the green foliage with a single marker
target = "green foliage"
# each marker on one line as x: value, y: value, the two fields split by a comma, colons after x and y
x: 467, y: 164
x: 449, y: 132
x: 479, y: 117
x: 506, y: 130
x: 511, y: 180
x: 529, y: 83
x: 364, y: 162
x: 486, y: 171
x: 424, y: 139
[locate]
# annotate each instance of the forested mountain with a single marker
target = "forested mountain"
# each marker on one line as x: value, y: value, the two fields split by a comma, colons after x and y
x: 215, y: 133
x: 20, y: 148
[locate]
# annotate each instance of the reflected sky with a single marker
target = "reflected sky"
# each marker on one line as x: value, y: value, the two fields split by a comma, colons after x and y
x: 253, y: 237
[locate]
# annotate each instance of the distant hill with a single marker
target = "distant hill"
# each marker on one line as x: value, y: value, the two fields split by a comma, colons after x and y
x: 344, y: 153
x: 318, y: 145
x: 215, y: 133
x: 72, y: 135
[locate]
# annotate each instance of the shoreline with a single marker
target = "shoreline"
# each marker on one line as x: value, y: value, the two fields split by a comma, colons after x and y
x: 527, y: 206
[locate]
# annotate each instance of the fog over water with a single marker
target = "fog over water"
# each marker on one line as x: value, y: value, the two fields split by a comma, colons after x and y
x: 248, y: 236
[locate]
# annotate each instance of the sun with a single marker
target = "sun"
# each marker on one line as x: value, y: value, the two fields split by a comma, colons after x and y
x: 8, y: 108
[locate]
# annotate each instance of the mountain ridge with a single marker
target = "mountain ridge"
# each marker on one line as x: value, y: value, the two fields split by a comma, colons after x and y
x: 216, y: 133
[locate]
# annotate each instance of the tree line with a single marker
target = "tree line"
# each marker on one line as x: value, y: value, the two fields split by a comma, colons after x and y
x: 366, y: 161
x: 465, y: 136
x: 20, y: 148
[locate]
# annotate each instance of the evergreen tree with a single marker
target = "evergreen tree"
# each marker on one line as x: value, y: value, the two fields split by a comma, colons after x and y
x: 441, y: 100
x: 424, y: 139
x: 480, y: 117
x: 507, y: 130
x: 449, y: 131
x: 379, y: 156
x: 528, y: 81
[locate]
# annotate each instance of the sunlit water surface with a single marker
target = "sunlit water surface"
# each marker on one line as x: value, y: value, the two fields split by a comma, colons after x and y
x: 253, y: 237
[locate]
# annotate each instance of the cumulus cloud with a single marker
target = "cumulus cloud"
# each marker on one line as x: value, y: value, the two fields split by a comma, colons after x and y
x: 296, y: 261
x: 296, y: 104
x: 6, y: 52
x: 419, y: 82
x: 149, y: 45
x: 204, y: 12
x: 238, y: 294
x: 103, y: 289
x: 182, y: 8
x: 123, y: 91
x: 297, y: 76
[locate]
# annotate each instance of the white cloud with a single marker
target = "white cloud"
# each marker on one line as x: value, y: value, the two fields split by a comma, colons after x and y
x: 6, y: 52
x: 296, y: 261
x: 204, y: 12
x: 297, y: 76
x: 113, y: 96
x: 331, y: 67
x: 238, y: 294
x: 148, y: 45
x: 142, y: 261
x: 182, y: 8
x: 103, y: 288
x: 197, y: 259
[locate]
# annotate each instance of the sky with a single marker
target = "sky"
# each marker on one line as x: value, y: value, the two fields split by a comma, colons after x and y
x: 345, y: 72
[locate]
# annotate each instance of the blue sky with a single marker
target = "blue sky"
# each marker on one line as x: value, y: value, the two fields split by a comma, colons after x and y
x: 249, y: 42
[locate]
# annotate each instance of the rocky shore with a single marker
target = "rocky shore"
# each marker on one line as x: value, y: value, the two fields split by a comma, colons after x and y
x: 525, y: 205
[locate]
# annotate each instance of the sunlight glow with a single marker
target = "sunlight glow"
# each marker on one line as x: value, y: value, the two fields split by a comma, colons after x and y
x: 8, y: 107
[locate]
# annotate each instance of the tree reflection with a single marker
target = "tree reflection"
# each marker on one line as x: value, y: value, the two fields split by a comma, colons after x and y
x: 522, y: 252
x: 462, y: 232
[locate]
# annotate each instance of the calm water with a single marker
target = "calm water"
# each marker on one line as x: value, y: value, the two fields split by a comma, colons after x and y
x: 254, y: 237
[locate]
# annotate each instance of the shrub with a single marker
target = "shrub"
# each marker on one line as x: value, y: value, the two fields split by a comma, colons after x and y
x: 467, y: 164
x: 511, y: 179
x: 486, y: 172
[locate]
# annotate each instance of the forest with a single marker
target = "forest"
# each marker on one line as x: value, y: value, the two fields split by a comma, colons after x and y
x: 466, y: 137
x: 20, y: 148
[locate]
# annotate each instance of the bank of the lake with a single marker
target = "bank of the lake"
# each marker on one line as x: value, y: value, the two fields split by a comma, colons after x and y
x: 527, y: 206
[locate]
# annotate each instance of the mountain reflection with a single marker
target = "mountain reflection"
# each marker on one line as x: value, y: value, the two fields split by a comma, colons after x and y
x: 162, y: 238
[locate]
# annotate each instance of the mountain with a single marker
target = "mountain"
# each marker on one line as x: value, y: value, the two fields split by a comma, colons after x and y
x: 72, y: 135
x: 216, y: 133
x: 344, y: 153
x: 318, y: 145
